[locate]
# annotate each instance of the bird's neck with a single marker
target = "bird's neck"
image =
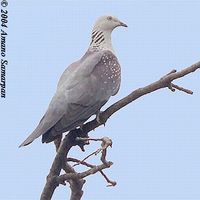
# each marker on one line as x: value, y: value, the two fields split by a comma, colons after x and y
x: 101, y: 40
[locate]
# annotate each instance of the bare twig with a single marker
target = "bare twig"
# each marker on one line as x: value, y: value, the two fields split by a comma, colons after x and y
x: 182, y: 89
x: 93, y: 170
x: 80, y: 162
x: 111, y: 183
x: 106, y: 142
x: 171, y: 72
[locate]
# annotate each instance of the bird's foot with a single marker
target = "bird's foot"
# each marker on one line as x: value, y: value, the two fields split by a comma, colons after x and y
x: 99, y: 119
x: 81, y: 127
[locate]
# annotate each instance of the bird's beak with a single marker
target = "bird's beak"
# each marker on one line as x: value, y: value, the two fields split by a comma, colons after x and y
x: 123, y: 24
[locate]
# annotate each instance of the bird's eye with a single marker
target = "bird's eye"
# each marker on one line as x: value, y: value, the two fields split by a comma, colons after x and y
x: 109, y: 18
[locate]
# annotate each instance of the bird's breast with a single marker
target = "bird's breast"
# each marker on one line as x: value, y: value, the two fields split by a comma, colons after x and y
x: 108, y: 72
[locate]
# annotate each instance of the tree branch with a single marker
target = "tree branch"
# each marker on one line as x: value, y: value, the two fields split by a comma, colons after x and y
x: 58, y: 163
x: 54, y: 178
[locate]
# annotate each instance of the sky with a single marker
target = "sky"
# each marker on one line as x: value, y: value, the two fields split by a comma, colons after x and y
x: 155, y: 139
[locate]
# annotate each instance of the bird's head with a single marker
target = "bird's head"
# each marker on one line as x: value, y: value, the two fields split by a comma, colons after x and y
x: 108, y: 23
x: 101, y: 33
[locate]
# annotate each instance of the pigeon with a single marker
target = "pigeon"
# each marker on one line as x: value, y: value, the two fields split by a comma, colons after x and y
x: 84, y: 87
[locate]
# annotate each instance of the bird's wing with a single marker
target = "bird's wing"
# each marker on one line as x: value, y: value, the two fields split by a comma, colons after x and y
x: 76, y: 115
x: 80, y: 69
x: 85, y: 98
x: 72, y: 88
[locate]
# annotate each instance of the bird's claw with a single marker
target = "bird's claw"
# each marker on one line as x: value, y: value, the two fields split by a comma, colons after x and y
x: 99, y: 119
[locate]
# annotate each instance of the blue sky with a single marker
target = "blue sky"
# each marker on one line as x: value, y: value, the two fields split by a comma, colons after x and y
x: 155, y: 139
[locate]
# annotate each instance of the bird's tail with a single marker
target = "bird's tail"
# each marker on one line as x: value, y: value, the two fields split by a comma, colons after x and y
x: 28, y: 140
x: 35, y: 134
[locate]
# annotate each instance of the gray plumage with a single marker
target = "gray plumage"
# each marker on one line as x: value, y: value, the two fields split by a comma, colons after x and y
x: 84, y: 87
